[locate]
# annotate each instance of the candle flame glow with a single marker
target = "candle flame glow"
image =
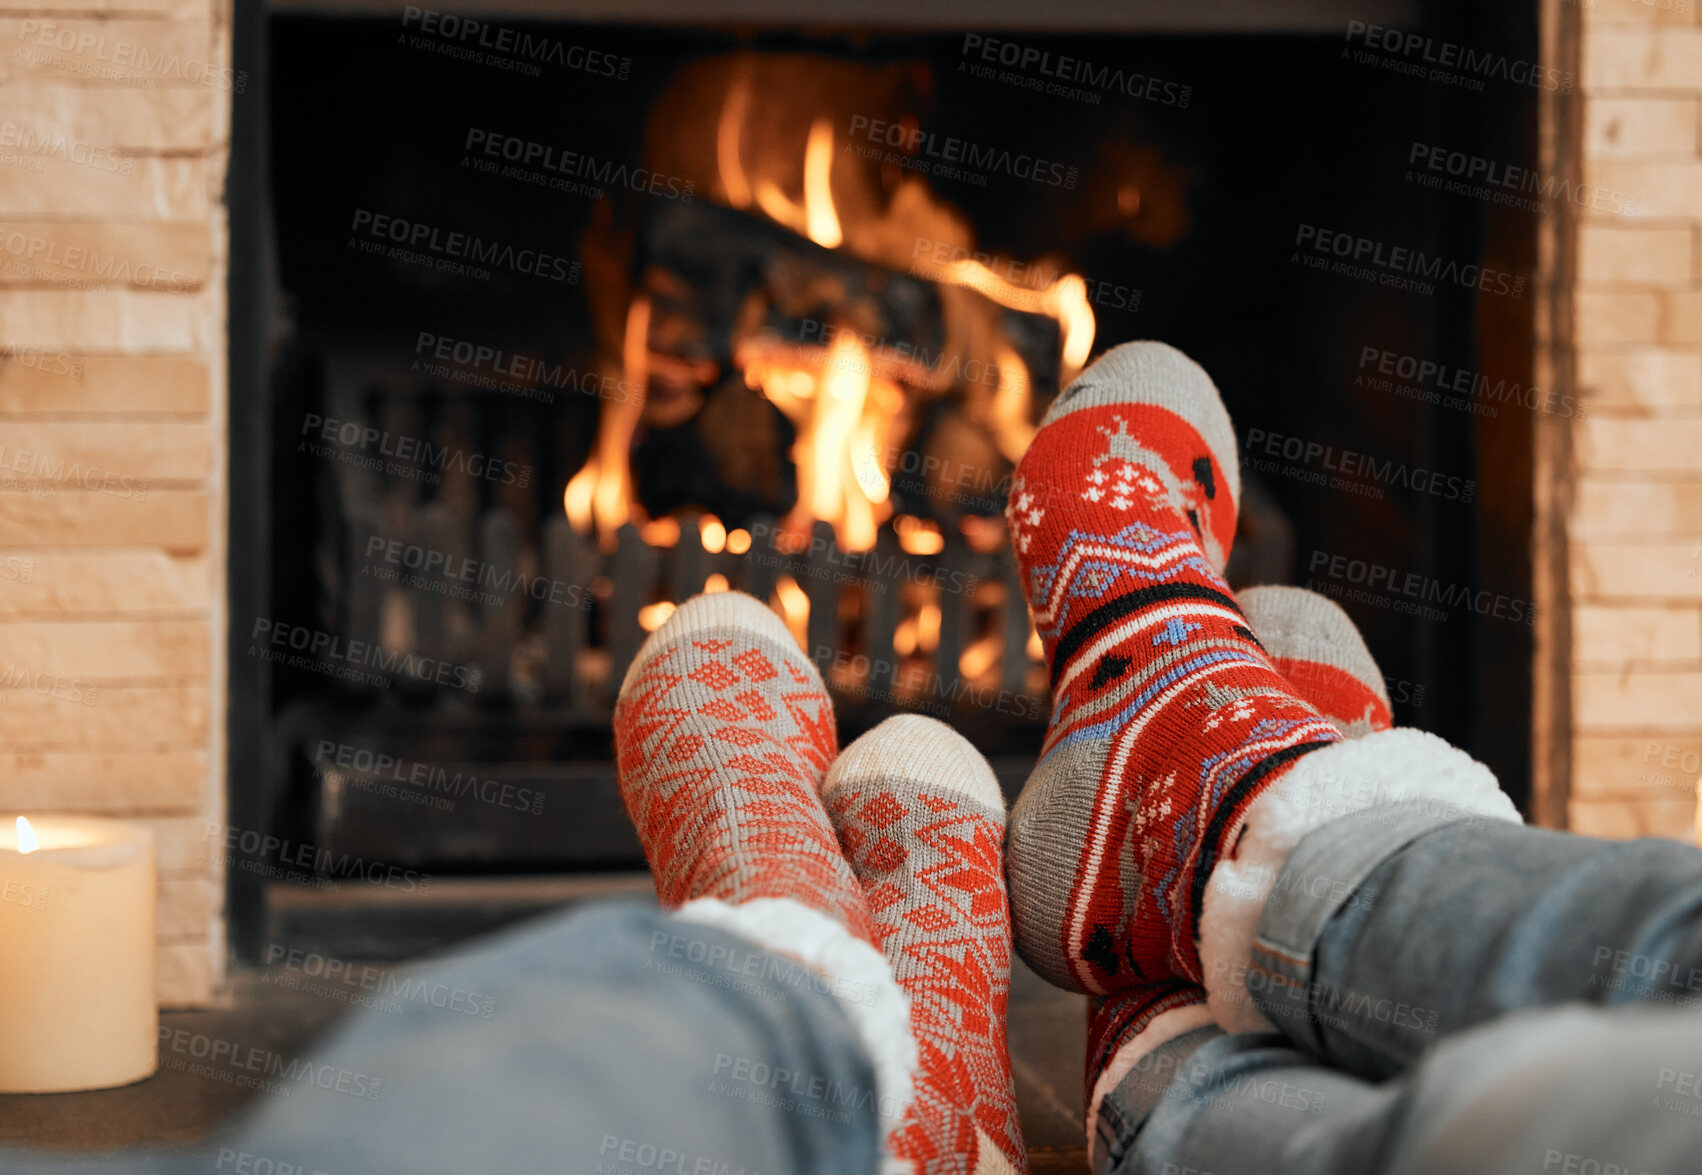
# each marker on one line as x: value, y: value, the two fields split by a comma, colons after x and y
x: 27, y: 842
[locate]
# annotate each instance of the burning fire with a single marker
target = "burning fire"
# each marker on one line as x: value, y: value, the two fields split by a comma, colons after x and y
x: 27, y: 842
x: 848, y: 404
x: 601, y: 492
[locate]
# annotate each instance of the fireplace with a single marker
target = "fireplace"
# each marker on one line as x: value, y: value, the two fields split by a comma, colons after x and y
x: 566, y: 322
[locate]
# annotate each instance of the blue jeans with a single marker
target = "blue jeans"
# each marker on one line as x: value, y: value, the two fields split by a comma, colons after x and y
x: 618, y: 1041
x: 1449, y: 997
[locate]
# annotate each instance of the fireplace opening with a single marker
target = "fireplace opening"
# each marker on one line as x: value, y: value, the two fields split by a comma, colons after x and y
x: 564, y: 336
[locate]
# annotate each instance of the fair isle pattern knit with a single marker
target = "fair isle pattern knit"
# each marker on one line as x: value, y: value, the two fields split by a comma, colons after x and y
x: 1314, y: 644
x: 1317, y: 647
x: 723, y: 736
x: 1122, y: 1016
x: 1168, y: 718
x: 921, y: 819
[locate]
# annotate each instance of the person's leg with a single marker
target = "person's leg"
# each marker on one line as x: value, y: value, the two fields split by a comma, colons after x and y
x: 922, y: 821
x: 1175, y: 747
x: 1569, y: 1091
x: 1315, y: 645
x: 723, y: 737
x: 1180, y: 765
x: 1388, y: 930
x: 614, y: 1040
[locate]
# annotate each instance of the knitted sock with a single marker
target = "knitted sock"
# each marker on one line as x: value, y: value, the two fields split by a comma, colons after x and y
x: 1169, y: 720
x: 1317, y: 647
x: 921, y: 820
x: 1314, y: 644
x: 723, y: 735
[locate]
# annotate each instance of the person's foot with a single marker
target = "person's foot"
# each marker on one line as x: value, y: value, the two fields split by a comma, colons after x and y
x: 922, y: 821
x: 1315, y: 644
x: 723, y: 736
x: 1169, y: 720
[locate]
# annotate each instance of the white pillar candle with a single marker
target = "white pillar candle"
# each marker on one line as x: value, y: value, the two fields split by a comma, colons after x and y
x: 77, y: 1006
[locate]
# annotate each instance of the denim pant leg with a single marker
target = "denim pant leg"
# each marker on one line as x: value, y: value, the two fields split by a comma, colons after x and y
x: 1567, y: 1091
x: 1377, y: 941
x: 614, y: 1040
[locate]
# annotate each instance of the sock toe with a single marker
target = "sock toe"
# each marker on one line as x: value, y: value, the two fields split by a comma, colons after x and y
x: 716, y: 612
x: 1313, y: 642
x: 917, y: 750
x: 1159, y: 375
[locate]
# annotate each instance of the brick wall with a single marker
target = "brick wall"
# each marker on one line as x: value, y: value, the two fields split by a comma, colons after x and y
x: 114, y: 126
x: 1636, y: 533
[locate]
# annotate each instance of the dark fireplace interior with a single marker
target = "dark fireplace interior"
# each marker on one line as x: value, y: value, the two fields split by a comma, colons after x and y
x: 753, y: 259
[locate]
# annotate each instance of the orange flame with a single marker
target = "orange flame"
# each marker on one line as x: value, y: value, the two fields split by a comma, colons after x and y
x: 600, y: 494
x: 794, y: 608
x: 816, y: 217
x: 727, y: 135
x: 841, y: 411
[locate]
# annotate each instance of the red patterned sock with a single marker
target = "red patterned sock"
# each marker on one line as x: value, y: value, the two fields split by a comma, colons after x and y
x: 1168, y: 720
x: 922, y: 820
x: 1316, y: 646
x: 723, y: 736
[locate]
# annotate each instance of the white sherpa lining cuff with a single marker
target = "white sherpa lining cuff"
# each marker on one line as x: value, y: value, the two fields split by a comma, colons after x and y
x: 863, y: 982
x: 1400, y: 770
